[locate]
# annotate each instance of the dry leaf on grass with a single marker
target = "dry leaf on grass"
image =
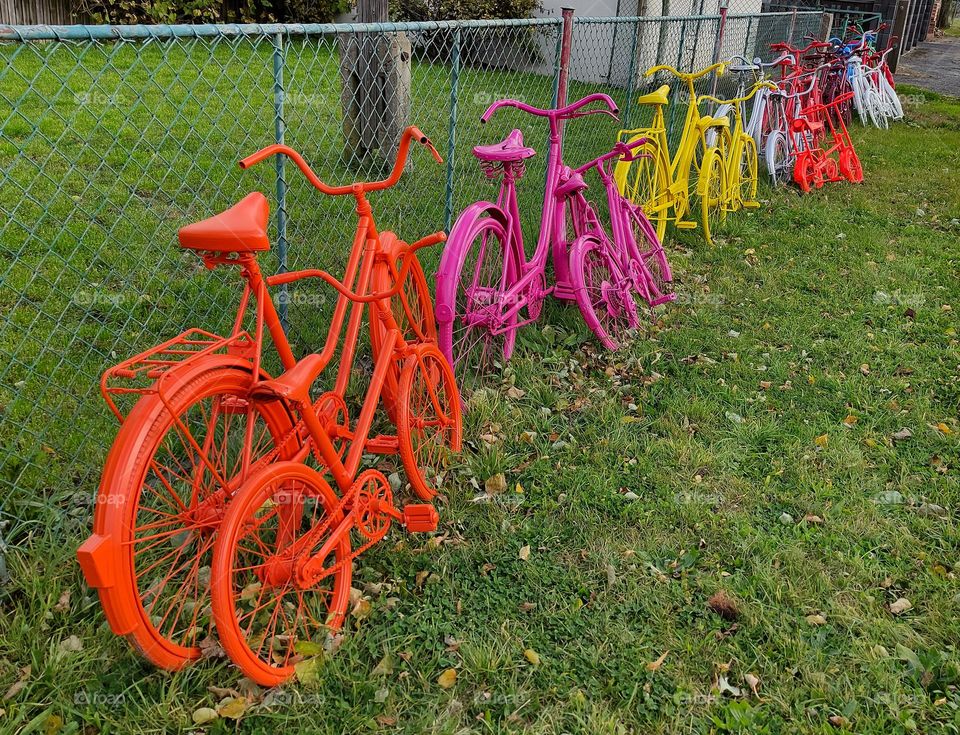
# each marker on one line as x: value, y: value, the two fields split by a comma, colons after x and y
x: 447, y: 679
x: 900, y: 606
x: 496, y: 484
x: 724, y: 605
x: 232, y: 708
x: 655, y: 665
x: 203, y: 715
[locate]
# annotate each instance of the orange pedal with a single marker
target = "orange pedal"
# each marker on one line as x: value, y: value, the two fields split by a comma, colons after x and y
x: 420, y: 517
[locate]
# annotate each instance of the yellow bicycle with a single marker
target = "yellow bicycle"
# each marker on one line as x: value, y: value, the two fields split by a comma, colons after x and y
x: 664, y: 185
x: 739, y: 150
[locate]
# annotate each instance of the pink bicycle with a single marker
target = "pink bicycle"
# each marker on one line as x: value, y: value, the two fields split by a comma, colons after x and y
x: 487, y: 289
x: 635, y: 249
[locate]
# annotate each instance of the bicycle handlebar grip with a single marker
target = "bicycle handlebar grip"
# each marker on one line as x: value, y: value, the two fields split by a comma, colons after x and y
x: 424, y: 140
x: 423, y: 242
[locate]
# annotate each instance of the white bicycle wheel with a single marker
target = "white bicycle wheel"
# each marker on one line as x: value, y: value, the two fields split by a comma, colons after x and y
x: 777, y: 158
x: 891, y: 94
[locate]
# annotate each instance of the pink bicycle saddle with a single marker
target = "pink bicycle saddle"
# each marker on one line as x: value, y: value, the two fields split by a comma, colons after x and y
x: 510, y: 148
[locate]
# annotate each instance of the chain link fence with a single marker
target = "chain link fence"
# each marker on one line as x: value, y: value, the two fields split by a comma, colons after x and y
x: 114, y: 137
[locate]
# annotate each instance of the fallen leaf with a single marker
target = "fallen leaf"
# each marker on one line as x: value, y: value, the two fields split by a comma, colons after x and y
x: 941, y: 427
x: 385, y: 667
x: 63, y: 604
x: 52, y: 725
x: 222, y: 692
x: 71, y: 644
x: 210, y: 648
x: 901, y: 435
x: 864, y: 369
x: 307, y: 671
x: 900, y: 606
x: 821, y: 441
x: 361, y: 611
x: 839, y: 721
x: 387, y: 721
x: 813, y: 519
x: 515, y: 393
x: 525, y: 552
x: 611, y: 575
x: 655, y: 665
x: 496, y: 484
x: 447, y: 679
x: 527, y: 606
x: 232, y: 708
x: 725, y: 687
x: 724, y: 605
x: 532, y: 656
x: 816, y: 620
x: 850, y: 420
x: 19, y: 684
x: 204, y: 715
x: 753, y: 682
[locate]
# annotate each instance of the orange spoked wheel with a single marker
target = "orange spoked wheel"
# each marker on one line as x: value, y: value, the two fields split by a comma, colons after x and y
x: 412, y: 309
x: 429, y: 426
x: 169, y: 477
x: 270, y: 615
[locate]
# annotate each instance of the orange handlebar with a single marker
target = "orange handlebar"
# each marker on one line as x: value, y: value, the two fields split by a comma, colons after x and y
x: 407, y: 257
x: 409, y: 134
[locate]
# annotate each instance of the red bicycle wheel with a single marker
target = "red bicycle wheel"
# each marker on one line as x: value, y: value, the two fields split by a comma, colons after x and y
x: 169, y: 477
x: 429, y: 425
x: 803, y: 173
x: 850, y: 165
x: 269, y: 619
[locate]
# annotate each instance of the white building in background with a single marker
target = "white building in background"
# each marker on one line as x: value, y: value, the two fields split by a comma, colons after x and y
x: 682, y: 43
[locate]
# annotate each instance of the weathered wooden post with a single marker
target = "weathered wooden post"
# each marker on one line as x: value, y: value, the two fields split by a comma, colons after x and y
x: 375, y: 89
x: 899, y: 30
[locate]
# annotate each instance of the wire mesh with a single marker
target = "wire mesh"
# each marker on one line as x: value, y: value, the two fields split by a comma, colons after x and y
x: 112, y: 138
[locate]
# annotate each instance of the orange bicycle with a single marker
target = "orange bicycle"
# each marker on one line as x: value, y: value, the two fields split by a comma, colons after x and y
x: 213, y: 440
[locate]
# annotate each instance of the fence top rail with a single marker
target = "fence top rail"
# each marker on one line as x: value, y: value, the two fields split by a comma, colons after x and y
x: 209, y: 30
x: 599, y: 20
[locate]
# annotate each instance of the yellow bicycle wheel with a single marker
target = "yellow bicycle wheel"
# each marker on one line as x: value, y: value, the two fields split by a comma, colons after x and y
x: 645, y: 181
x: 748, y: 173
x: 712, y: 191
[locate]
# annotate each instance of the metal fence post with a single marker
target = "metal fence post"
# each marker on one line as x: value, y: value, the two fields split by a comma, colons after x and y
x: 628, y: 113
x: 557, y: 66
x: 452, y: 126
x: 566, y: 44
x: 746, y: 41
x: 279, y: 126
x: 793, y: 26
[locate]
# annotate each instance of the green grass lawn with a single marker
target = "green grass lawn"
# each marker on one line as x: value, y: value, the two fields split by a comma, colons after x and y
x: 719, y: 518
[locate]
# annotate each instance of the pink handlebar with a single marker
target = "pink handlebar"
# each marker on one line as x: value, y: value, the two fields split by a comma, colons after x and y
x: 562, y: 113
x: 622, y: 150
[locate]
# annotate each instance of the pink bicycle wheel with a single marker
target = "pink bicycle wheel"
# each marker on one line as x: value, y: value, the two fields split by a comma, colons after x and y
x: 604, y: 294
x: 478, y: 267
x: 652, y: 258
